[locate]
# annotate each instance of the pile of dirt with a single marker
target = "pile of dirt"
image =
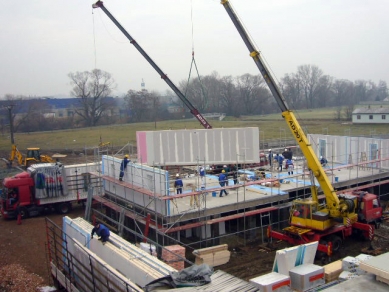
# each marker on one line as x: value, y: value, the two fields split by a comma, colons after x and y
x: 14, y: 277
x: 23, y: 252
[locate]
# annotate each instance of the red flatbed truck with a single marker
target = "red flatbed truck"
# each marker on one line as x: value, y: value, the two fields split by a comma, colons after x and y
x: 47, y: 186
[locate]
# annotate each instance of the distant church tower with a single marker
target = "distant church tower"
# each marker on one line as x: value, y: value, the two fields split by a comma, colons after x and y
x: 142, y: 85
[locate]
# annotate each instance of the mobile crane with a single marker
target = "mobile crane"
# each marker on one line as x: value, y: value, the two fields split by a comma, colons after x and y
x: 193, y: 110
x: 310, y: 221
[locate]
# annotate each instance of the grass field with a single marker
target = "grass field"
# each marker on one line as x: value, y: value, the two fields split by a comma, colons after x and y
x: 270, y: 126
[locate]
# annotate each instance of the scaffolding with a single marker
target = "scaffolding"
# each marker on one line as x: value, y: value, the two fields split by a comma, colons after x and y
x: 146, y: 202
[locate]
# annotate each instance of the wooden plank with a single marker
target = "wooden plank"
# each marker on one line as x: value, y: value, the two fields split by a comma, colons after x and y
x: 211, y: 249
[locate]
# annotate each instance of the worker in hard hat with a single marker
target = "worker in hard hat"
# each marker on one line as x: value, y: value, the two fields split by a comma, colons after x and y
x: 323, y: 161
x: 178, y: 184
x: 123, y: 166
x: 222, y: 181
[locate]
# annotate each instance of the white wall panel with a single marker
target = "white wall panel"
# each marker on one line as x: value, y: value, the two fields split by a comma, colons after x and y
x: 188, y: 147
x: 346, y: 149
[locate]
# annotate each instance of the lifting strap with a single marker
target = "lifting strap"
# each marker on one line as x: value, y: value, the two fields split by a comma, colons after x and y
x: 198, y: 76
x: 194, y: 62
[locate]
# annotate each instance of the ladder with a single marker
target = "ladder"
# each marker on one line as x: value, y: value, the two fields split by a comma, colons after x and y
x: 363, y: 160
x: 350, y: 161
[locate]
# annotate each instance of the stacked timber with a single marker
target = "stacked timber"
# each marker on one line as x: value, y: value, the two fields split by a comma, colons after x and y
x: 174, y: 255
x: 212, y: 256
x: 332, y: 271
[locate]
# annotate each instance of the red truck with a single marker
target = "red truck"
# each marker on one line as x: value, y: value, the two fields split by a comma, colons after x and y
x: 47, y: 186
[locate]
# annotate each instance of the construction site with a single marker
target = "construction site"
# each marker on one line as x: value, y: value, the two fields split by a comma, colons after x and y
x: 165, y: 231
x: 188, y: 203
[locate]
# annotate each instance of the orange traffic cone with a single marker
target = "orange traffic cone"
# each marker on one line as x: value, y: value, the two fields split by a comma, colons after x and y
x: 19, y: 219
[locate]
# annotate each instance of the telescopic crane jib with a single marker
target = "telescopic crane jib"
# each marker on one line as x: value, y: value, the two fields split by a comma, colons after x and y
x: 193, y: 110
x: 309, y: 220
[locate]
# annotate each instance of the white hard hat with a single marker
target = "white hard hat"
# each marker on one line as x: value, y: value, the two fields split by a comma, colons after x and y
x: 269, y: 150
x: 177, y: 174
x: 286, y: 149
x: 321, y: 157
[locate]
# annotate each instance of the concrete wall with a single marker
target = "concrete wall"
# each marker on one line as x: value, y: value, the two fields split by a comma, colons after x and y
x: 342, y: 149
x: 189, y: 147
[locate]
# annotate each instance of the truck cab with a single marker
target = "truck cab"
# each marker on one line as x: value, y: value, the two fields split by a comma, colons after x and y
x: 22, y: 185
x: 368, y: 207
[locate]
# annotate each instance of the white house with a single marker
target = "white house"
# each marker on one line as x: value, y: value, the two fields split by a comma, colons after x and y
x: 370, y: 115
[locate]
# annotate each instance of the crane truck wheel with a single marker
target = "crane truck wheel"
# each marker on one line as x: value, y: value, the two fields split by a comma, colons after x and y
x: 336, y: 243
x: 63, y: 208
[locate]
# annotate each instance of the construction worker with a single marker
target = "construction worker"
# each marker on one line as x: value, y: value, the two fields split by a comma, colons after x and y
x: 323, y: 161
x: 123, y: 166
x: 202, y: 174
x: 289, y: 166
x: 222, y: 182
x: 102, y: 231
x: 178, y: 184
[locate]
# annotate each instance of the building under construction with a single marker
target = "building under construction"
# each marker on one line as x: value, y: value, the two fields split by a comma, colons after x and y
x: 147, y: 205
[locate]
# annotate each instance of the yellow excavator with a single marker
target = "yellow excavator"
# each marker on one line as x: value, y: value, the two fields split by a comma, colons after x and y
x: 33, y: 156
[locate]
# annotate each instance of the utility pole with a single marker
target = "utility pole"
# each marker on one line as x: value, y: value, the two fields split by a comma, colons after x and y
x: 11, y: 124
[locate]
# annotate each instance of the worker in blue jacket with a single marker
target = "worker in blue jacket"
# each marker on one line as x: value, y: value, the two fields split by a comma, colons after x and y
x: 178, y: 184
x: 123, y: 166
x: 280, y: 159
x: 102, y: 231
x: 222, y: 182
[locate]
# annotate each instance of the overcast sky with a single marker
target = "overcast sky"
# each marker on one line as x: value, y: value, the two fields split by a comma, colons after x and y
x: 42, y: 41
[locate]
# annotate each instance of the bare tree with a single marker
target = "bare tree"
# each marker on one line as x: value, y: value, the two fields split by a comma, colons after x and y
x: 24, y: 111
x: 348, y: 112
x: 93, y: 89
x: 291, y: 87
x: 344, y: 92
x: 253, y: 93
x: 142, y: 105
x: 229, y: 96
x: 310, y: 77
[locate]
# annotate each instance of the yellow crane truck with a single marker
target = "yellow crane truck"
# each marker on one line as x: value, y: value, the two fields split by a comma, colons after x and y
x: 340, y: 215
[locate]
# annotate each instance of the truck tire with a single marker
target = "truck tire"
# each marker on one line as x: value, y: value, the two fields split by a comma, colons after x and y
x: 24, y: 212
x: 336, y: 243
x: 64, y: 208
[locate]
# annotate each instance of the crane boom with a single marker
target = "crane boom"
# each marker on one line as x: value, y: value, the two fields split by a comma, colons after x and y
x: 335, y: 208
x: 193, y: 110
